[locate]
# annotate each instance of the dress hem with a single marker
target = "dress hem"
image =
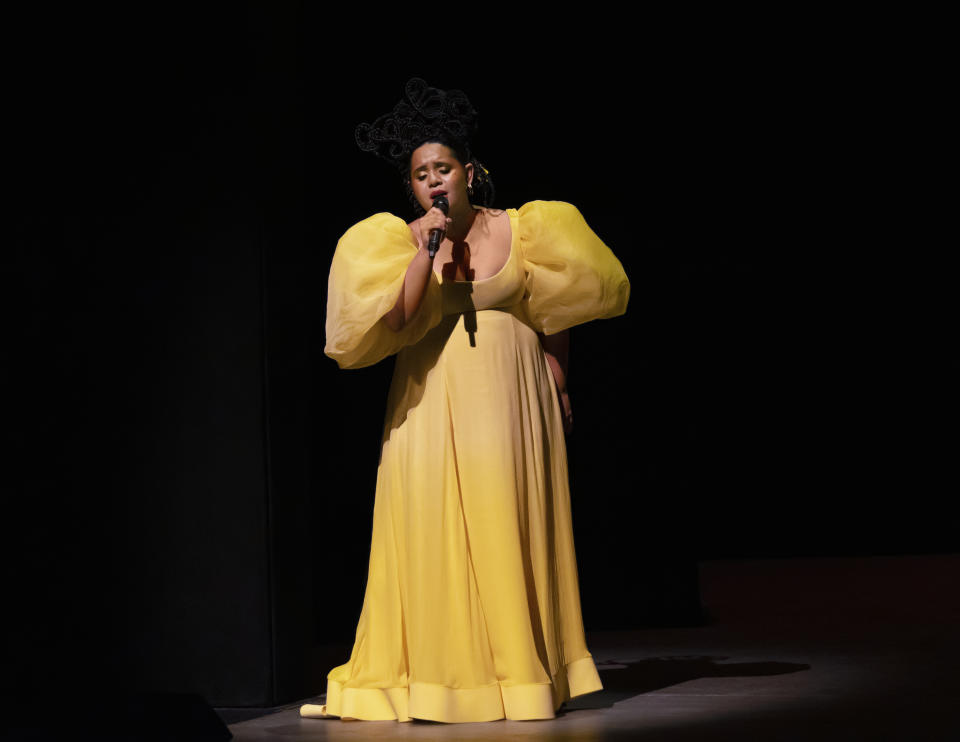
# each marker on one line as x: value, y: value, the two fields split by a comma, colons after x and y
x: 431, y: 702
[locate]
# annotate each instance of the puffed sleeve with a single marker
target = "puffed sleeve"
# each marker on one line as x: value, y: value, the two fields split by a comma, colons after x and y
x: 571, y: 276
x: 366, y: 275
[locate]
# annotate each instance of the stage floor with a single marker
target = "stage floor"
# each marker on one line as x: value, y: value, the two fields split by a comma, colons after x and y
x: 795, y: 649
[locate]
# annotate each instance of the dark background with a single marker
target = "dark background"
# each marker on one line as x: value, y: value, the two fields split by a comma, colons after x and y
x: 191, y: 480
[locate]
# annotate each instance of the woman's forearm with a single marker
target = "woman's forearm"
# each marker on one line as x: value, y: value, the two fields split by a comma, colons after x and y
x: 556, y: 349
x: 412, y: 292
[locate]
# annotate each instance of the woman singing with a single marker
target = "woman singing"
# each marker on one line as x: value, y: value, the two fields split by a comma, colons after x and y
x: 472, y: 607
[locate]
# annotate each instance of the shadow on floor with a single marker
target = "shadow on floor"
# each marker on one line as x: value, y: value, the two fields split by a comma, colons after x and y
x: 628, y: 679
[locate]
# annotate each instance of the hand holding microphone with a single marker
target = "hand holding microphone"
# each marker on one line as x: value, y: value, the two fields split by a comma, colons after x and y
x: 436, y: 234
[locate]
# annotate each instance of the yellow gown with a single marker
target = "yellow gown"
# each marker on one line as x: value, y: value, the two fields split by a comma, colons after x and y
x: 472, y: 605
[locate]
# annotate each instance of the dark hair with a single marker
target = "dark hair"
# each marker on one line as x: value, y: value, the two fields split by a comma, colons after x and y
x: 427, y: 115
x: 481, y: 192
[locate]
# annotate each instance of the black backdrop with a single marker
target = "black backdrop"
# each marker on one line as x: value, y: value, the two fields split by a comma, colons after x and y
x: 191, y: 480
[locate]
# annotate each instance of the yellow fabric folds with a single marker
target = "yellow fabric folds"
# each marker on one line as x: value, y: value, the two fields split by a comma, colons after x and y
x: 472, y: 603
x: 455, y: 705
x: 572, y: 277
x: 366, y: 275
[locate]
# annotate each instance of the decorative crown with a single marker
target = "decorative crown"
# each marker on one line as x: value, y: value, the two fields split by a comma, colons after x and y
x: 423, y: 114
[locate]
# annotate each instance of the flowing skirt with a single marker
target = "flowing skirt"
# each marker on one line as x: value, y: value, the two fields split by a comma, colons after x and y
x: 472, y: 606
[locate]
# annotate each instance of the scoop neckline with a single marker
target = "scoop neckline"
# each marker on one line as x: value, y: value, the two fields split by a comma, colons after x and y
x: 513, y: 236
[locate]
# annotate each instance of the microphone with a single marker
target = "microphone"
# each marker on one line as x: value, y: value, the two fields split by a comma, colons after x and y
x: 436, y: 234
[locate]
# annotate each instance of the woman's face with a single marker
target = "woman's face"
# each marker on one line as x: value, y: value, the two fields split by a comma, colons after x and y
x: 434, y: 169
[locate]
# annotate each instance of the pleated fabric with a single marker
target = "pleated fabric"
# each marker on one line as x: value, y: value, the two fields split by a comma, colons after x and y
x: 472, y: 608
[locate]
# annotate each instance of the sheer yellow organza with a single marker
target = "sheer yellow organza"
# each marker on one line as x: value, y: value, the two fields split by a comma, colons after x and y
x: 366, y: 275
x: 572, y: 277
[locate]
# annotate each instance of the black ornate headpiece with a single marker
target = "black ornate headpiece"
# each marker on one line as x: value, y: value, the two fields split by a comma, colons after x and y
x: 424, y: 114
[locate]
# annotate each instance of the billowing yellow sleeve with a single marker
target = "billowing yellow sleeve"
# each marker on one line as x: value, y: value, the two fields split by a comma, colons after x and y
x: 572, y: 277
x: 366, y: 275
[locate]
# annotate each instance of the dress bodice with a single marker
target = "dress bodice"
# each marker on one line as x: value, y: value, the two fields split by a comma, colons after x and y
x: 558, y: 274
x: 503, y: 289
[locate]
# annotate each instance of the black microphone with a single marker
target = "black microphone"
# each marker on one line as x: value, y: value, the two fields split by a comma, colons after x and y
x: 437, y: 234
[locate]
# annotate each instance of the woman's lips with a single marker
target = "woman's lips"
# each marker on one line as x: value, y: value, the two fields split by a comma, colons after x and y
x: 434, y: 194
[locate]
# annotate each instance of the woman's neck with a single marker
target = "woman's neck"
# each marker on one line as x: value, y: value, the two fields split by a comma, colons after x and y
x: 459, y: 228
